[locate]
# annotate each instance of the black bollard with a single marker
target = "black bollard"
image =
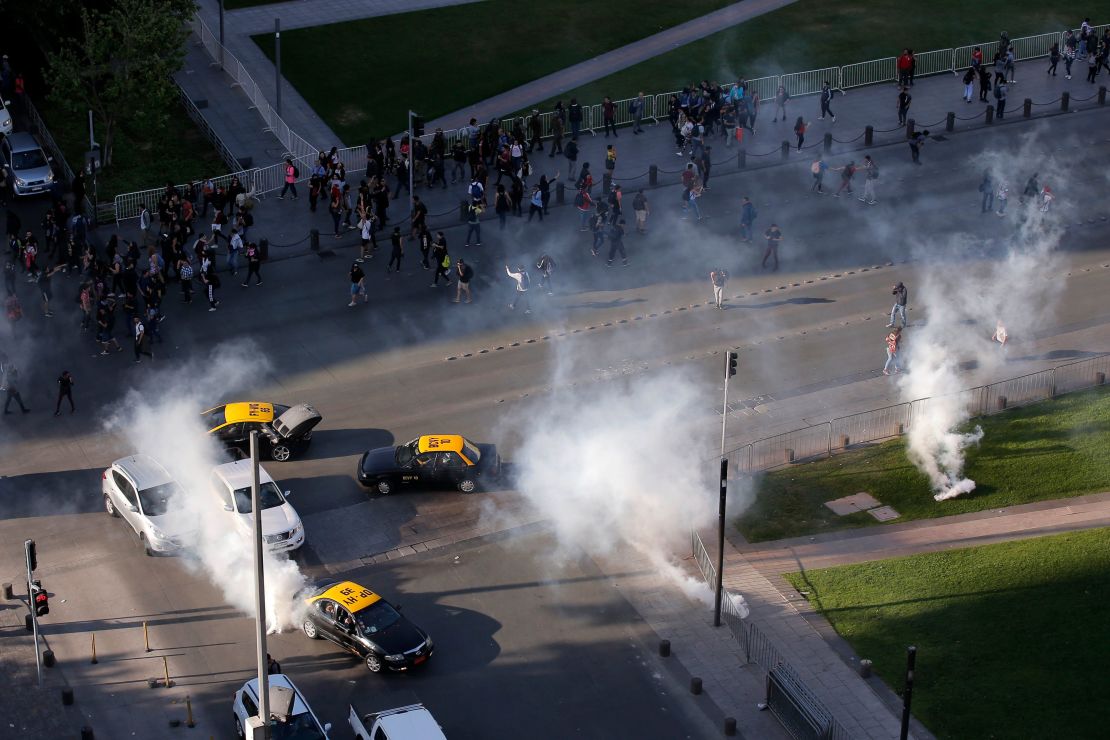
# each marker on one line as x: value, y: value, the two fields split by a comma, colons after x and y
x: 314, y: 240
x: 741, y: 158
x: 950, y: 124
x: 990, y: 113
x: 67, y: 696
x: 664, y: 648
x: 29, y: 622
x: 1102, y: 94
x: 560, y: 193
x: 828, y: 142
x: 653, y: 175
x: 1027, y: 110
x: 48, y: 658
x: 695, y: 685
x: 909, y: 128
x: 1065, y: 101
x: 869, y: 136
x: 786, y: 150
x: 264, y: 249
x: 8, y: 592
x: 730, y: 726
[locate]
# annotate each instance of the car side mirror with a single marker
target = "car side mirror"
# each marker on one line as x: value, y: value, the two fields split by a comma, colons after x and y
x: 288, y: 494
x: 133, y: 509
x: 398, y: 607
x: 49, y: 159
x: 229, y: 507
x: 327, y: 727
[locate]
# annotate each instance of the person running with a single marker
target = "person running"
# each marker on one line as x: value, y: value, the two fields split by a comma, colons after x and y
x: 773, y: 235
x: 520, y: 275
x: 358, y: 285
x: 464, y: 273
x: 893, y: 344
x: 65, y: 392
x: 718, y: 278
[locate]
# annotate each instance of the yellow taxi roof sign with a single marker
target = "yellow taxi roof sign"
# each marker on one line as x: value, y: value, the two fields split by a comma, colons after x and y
x: 350, y: 595
x: 440, y: 443
x: 248, y: 411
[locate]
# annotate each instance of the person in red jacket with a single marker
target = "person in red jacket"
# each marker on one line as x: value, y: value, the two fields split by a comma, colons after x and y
x: 904, y: 63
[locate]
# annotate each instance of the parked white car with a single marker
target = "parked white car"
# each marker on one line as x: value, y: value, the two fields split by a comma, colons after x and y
x: 140, y: 490
x: 282, y: 530
x: 290, y: 715
x: 5, y: 117
x: 412, y: 722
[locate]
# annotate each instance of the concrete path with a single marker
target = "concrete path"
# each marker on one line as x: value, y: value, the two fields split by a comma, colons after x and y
x: 929, y: 535
x: 519, y: 98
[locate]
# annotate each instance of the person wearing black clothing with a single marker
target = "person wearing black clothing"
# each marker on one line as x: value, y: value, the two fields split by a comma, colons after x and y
x: 826, y: 102
x: 65, y: 391
x: 901, y: 297
x: 574, y: 116
x: 425, y: 246
x: 916, y: 142
x: 9, y: 378
x: 616, y: 243
x: 254, y: 264
x: 904, y: 99
x: 442, y: 260
x: 397, y: 252
x: 535, y: 129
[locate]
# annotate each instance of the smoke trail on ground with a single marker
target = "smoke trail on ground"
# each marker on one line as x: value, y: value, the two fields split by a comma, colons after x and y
x: 164, y: 421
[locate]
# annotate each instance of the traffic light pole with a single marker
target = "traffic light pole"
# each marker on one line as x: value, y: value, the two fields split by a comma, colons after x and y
x: 28, y: 549
x: 259, y: 592
x: 731, y: 359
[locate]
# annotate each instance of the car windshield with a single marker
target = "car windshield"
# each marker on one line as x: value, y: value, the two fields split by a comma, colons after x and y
x: 155, y: 500
x: 214, y: 418
x: 405, y: 453
x: 300, y: 727
x: 28, y: 160
x: 269, y: 494
x: 377, y: 617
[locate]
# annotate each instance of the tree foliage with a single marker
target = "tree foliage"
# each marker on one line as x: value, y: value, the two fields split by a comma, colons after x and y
x: 120, y: 66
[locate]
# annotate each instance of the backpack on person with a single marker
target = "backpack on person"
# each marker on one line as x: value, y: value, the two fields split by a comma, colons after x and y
x: 579, y: 199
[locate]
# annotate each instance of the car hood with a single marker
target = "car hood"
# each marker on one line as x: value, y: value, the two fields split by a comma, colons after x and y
x: 172, y: 523
x: 33, y: 174
x: 380, y: 460
x: 275, y: 520
x: 401, y: 636
x: 296, y: 421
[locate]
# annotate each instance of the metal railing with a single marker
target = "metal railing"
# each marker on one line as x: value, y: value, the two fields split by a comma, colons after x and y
x: 797, y: 84
x: 38, y: 126
x: 793, y: 698
x: 825, y: 438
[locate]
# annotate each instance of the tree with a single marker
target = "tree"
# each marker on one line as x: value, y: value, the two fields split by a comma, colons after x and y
x: 121, y: 64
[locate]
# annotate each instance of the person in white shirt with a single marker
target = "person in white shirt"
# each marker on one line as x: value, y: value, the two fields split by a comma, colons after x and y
x: 234, y: 247
x: 520, y: 275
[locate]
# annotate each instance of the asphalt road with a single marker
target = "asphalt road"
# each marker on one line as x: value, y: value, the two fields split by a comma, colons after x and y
x: 380, y: 375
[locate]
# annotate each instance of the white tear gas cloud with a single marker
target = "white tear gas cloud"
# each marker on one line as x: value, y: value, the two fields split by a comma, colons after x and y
x: 162, y: 420
x: 1016, y: 285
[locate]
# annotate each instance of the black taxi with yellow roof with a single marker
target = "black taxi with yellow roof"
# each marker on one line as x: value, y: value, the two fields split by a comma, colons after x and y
x: 283, y: 430
x: 362, y: 622
x: 430, y: 461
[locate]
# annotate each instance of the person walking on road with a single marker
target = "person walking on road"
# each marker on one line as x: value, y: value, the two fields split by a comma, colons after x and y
x: 9, y: 383
x: 464, y: 273
x: 893, y: 344
x: 800, y: 127
x: 870, y: 175
x: 916, y: 142
x: 1032, y: 188
x: 641, y: 209
x: 901, y: 297
x: 616, y: 243
x: 986, y: 187
x: 358, y: 285
x: 442, y: 260
x: 1001, y: 91
x: 520, y: 275
x: 826, y: 102
x: 291, y: 174
x: 747, y: 219
x: 781, y: 96
x: 1003, y: 196
x: 847, y: 172
x: 139, y: 336
x: 904, y: 100
x: 773, y: 235
x: 818, y: 168
x: 546, y: 266
x: 969, y: 84
x: 397, y: 250
x: 65, y: 392
x: 474, y: 224
x: 718, y: 278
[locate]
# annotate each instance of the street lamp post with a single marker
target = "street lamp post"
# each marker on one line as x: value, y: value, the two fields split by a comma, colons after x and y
x: 277, y: 62
x: 731, y: 360
x: 259, y: 591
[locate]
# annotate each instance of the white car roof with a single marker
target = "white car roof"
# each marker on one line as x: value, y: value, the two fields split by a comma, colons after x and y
x: 238, y: 474
x: 414, y: 722
x: 144, y: 470
x: 280, y: 679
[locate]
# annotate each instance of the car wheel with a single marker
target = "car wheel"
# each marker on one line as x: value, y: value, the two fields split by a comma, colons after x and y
x: 146, y: 545
x: 310, y: 630
x: 238, y: 727
x: 468, y: 485
x: 384, y: 487
x: 373, y: 663
x: 281, y: 453
x: 109, y: 506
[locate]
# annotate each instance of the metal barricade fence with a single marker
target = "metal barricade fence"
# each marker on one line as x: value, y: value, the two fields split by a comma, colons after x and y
x: 869, y: 73
x: 766, y: 87
x: 809, y: 82
x: 1018, y: 391
x: 1033, y: 47
x: 932, y: 62
x: 789, y: 447
x: 961, y: 56
x: 704, y: 561
x: 870, y: 426
x: 1081, y: 375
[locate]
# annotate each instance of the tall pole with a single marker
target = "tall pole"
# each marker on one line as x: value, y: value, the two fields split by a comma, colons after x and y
x: 720, y: 546
x: 259, y: 590
x: 724, y: 404
x: 27, y: 545
x: 221, y: 35
x: 907, y: 695
x: 277, y: 61
x: 412, y: 149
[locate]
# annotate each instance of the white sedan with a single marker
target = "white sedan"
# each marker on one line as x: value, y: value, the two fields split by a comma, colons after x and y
x: 282, y: 530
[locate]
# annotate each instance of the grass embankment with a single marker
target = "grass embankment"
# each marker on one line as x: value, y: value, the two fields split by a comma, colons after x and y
x: 1011, y: 638
x: 1050, y: 450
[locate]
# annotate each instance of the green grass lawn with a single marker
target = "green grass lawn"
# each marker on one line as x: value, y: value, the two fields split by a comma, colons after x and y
x: 362, y: 76
x: 142, y: 160
x: 811, y: 34
x: 1049, y: 450
x: 1011, y: 638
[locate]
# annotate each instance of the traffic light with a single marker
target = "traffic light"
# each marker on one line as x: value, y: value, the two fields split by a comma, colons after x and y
x: 32, y: 557
x: 733, y: 358
x: 418, y: 125
x: 40, y: 599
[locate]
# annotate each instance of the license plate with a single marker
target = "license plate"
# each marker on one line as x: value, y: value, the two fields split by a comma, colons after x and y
x: 420, y: 660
